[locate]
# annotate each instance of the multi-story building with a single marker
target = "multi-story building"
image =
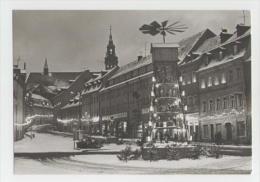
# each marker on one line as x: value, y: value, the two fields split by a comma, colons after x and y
x: 19, y: 77
x: 224, y: 87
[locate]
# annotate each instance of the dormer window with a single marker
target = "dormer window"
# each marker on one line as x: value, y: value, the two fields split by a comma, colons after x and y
x: 206, y: 60
x: 220, y: 55
x: 235, y: 49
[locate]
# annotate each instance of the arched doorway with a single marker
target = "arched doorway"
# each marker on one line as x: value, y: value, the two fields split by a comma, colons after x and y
x: 228, y: 131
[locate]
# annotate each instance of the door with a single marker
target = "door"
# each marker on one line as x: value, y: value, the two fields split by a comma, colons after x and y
x: 228, y: 131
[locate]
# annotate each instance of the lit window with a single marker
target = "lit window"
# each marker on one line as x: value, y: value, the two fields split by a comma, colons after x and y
x: 216, y: 80
x: 220, y: 55
x: 223, y: 78
x: 194, y: 79
x: 188, y: 79
x: 183, y: 82
x: 210, y: 81
x: 202, y: 84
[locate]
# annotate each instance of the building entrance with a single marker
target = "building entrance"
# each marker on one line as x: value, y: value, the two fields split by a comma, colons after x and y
x: 228, y: 131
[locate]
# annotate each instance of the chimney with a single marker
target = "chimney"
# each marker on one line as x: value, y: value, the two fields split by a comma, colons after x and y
x: 24, y: 65
x: 224, y: 35
x: 241, y: 29
x: 139, y: 58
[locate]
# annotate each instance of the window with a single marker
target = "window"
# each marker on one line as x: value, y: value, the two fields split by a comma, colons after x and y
x: 225, y: 102
x: 220, y: 55
x: 230, y: 75
x: 223, y: 78
x: 204, y: 106
x: 210, y: 81
x: 216, y: 80
x: 218, y: 127
x: 218, y: 103
x: 202, y: 84
x: 238, y: 73
x: 190, y: 100
x: 239, y: 100
x: 232, y: 101
x: 206, y: 60
x: 241, y: 128
x: 205, y: 131
x: 211, y: 105
x: 195, y: 100
x: 189, y: 79
x: 235, y: 49
x: 194, y: 79
x: 183, y: 78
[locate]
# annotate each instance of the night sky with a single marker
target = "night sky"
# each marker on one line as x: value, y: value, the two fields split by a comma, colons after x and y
x: 76, y: 40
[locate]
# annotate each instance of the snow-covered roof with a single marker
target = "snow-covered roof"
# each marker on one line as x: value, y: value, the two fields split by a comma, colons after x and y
x: 39, y: 97
x: 209, y: 44
x: 70, y: 105
x: 163, y: 45
x: 228, y: 59
x: 133, y: 66
x: 112, y: 86
x: 91, y: 90
x: 187, y: 44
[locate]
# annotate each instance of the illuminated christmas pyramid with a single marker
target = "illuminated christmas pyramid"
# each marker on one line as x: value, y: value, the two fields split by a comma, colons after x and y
x: 167, y: 118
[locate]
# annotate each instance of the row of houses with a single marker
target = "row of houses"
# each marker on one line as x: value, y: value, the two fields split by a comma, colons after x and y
x: 208, y: 74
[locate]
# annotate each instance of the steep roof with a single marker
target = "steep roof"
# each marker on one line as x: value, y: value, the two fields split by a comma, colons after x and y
x: 57, y: 79
x: 187, y: 44
x: 208, y: 44
x: 215, y: 63
x: 133, y: 66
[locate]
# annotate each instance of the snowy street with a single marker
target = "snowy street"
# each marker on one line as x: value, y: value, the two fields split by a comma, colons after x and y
x: 109, y: 164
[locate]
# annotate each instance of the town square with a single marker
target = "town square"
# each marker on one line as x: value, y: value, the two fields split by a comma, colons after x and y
x: 156, y: 92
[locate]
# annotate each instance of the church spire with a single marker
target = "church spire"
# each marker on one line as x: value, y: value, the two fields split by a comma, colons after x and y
x: 111, y: 60
x: 45, y: 68
x: 110, y: 35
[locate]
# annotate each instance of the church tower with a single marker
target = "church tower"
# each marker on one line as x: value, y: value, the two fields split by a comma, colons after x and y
x: 111, y: 60
x: 45, y: 68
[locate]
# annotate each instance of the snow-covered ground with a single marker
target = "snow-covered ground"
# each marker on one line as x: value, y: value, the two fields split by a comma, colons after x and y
x: 109, y: 164
x: 54, y: 143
